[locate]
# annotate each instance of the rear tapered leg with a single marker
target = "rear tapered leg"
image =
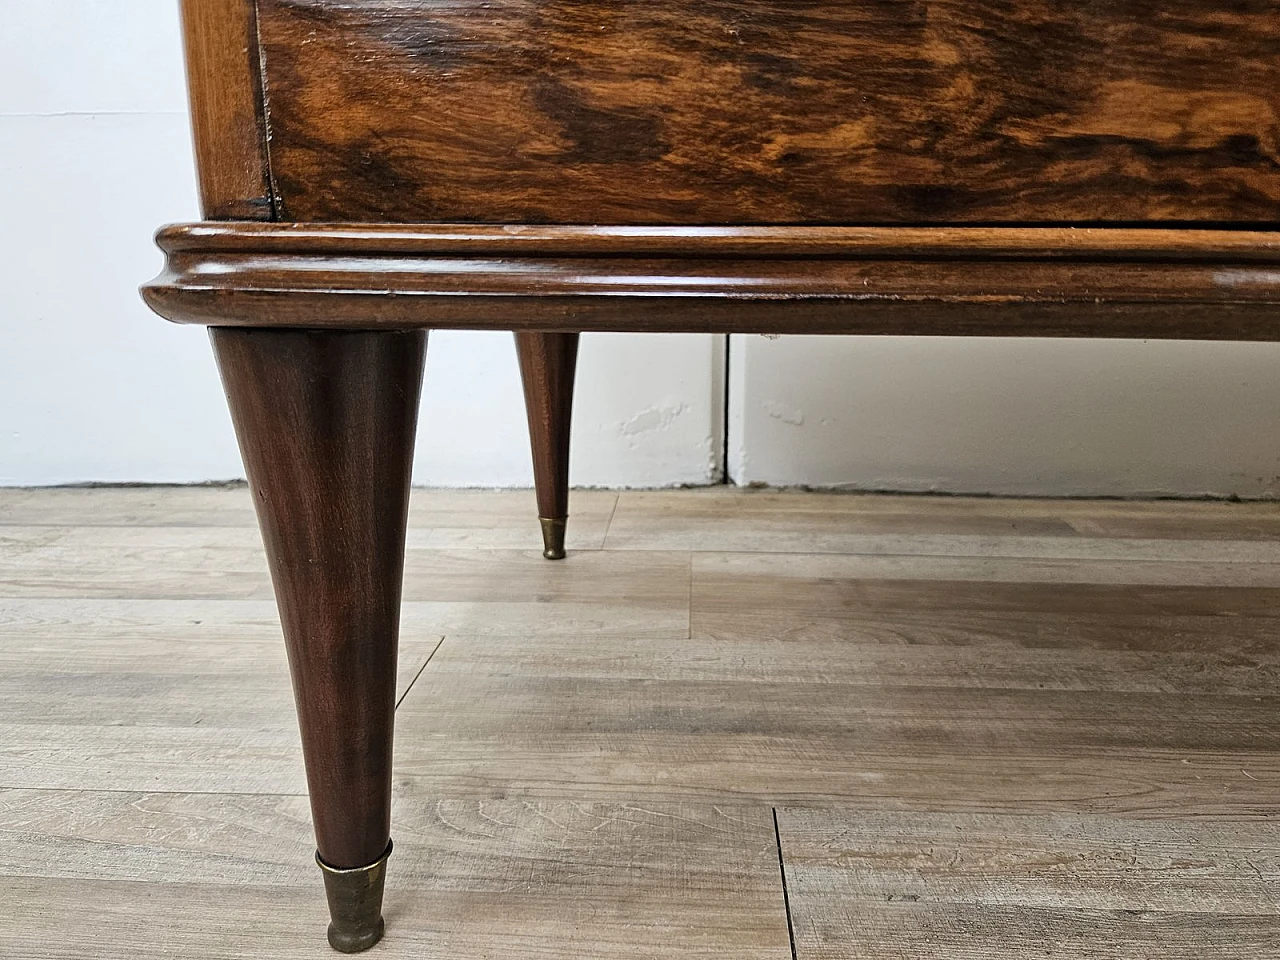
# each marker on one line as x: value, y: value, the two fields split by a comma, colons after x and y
x: 326, y: 427
x: 547, y: 365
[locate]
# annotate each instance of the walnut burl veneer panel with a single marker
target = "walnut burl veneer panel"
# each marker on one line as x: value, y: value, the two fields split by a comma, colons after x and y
x: 765, y: 111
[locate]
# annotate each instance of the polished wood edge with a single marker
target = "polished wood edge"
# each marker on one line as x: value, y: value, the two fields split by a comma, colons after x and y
x: 1145, y: 243
x: 1052, y: 282
x: 228, y: 108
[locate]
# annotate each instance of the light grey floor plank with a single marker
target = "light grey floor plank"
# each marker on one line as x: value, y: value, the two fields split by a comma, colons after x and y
x: 480, y: 590
x: 1207, y: 622
x: 172, y: 698
x: 731, y: 520
x: 865, y: 883
x: 217, y: 505
x: 504, y: 519
x: 783, y: 569
x: 587, y: 765
x: 510, y: 719
x: 998, y: 653
x: 163, y: 682
x: 230, y: 878
x: 897, y: 931
x: 663, y: 612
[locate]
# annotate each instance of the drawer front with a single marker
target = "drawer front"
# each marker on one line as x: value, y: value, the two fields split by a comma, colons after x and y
x: 774, y: 111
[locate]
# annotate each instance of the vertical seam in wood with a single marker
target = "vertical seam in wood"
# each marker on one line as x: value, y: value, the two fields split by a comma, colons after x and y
x: 260, y: 55
x: 782, y: 871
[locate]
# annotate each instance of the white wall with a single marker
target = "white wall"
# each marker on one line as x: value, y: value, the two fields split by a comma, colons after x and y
x: 649, y: 412
x: 94, y: 155
x: 1039, y: 417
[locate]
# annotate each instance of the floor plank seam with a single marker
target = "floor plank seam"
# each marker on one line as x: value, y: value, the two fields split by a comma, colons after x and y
x: 782, y: 872
x: 688, y: 603
x: 149, y: 792
x: 608, y: 524
x: 1080, y: 755
x: 419, y: 673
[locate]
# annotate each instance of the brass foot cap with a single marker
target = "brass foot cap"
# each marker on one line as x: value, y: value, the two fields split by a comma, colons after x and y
x: 553, y: 537
x: 355, y: 903
x: 356, y: 941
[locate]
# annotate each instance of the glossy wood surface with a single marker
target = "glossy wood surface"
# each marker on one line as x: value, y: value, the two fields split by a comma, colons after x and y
x: 956, y: 281
x: 695, y: 241
x: 326, y: 427
x: 227, y: 111
x: 757, y: 132
x: 760, y: 111
x: 548, y: 363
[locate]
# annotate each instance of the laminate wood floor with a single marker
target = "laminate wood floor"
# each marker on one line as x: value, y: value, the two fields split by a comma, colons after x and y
x: 733, y: 724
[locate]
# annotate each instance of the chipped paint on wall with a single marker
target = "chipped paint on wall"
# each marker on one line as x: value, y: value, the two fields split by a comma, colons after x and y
x: 651, y: 419
x: 784, y: 412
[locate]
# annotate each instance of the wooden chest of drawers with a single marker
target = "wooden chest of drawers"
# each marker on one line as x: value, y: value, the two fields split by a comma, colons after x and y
x: 373, y: 168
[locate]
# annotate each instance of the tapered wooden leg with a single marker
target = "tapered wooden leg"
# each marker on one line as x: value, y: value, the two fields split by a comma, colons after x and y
x: 547, y: 365
x: 326, y: 428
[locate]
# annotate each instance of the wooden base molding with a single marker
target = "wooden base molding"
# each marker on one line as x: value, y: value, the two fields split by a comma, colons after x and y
x: 945, y: 281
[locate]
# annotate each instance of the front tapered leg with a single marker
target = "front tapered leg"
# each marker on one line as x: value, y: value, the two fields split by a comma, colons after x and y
x: 326, y: 427
x: 548, y: 362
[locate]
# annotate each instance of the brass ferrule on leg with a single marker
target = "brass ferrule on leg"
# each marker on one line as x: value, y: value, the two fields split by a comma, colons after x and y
x: 355, y: 903
x: 553, y: 537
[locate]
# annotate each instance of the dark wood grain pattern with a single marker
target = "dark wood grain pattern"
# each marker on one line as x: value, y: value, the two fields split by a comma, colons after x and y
x: 734, y: 145
x: 227, y: 111
x: 326, y: 427
x: 759, y: 111
x: 957, y: 281
x: 548, y: 362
